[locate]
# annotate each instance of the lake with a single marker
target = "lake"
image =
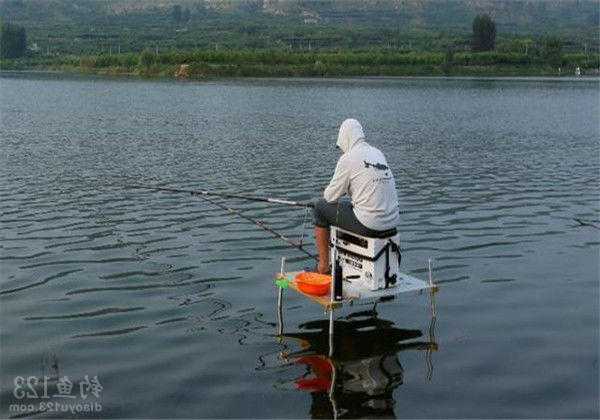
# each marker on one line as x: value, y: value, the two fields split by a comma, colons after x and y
x: 162, y: 305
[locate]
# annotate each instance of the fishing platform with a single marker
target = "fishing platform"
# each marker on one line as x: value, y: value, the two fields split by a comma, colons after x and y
x: 365, y: 270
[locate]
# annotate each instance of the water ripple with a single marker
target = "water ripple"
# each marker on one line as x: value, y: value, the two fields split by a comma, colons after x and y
x: 42, y: 282
x: 100, y: 334
x: 99, y: 312
x: 494, y: 202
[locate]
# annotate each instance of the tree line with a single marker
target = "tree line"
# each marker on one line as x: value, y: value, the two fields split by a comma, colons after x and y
x: 13, y: 40
x: 522, y: 55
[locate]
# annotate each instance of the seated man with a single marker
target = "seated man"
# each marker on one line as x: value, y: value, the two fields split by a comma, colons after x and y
x: 363, y: 174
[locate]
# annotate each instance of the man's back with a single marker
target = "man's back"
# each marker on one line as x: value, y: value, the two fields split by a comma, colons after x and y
x: 372, y: 187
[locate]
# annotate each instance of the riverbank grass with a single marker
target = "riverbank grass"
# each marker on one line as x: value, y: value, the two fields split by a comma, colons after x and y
x: 211, y: 64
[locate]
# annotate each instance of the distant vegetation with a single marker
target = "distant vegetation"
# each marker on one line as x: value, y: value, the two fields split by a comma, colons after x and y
x: 277, y: 63
x: 300, y: 38
x: 85, y: 27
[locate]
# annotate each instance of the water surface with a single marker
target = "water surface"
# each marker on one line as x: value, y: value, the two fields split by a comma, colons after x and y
x: 168, y: 299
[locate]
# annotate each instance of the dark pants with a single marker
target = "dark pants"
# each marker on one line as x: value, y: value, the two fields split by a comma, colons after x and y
x: 340, y: 214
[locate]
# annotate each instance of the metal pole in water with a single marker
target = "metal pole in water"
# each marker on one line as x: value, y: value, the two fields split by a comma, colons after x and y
x: 429, y: 269
x: 432, y: 289
x: 332, y: 298
x: 331, y: 331
x: 280, y: 311
x: 280, y: 301
x: 428, y: 355
x: 282, y: 266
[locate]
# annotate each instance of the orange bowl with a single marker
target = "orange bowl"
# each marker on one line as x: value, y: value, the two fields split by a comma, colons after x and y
x: 313, y: 283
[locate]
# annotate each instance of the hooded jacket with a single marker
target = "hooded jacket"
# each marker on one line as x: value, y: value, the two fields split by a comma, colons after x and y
x: 362, y: 172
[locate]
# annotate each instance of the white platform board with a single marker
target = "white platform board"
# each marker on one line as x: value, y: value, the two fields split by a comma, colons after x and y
x: 404, y: 284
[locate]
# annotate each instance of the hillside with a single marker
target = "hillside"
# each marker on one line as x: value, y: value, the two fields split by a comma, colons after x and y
x: 522, y: 16
x: 91, y: 26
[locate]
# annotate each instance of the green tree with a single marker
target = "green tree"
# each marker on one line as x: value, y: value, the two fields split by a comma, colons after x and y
x: 484, y: 33
x: 13, y: 41
x: 552, y: 50
x: 448, y: 59
x: 147, y: 58
x: 527, y: 43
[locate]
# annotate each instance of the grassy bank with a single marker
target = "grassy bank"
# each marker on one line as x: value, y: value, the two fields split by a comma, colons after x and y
x: 211, y: 64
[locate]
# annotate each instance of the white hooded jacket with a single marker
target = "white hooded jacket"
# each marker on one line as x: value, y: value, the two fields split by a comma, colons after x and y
x: 362, y: 172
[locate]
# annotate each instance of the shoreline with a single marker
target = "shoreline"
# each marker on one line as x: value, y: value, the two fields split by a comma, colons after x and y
x: 325, y: 78
x: 212, y: 65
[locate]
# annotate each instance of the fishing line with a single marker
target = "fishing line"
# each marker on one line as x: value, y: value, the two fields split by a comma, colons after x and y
x: 204, y: 193
x: 261, y: 225
x: 303, y: 226
x: 238, y: 213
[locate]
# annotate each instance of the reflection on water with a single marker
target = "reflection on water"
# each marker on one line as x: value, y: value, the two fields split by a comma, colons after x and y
x: 359, y: 379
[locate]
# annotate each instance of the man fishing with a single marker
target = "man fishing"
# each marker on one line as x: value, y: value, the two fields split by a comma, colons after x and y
x: 362, y: 173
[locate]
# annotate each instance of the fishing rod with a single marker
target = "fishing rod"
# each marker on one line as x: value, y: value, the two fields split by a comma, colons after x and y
x: 205, y: 193
x: 258, y: 223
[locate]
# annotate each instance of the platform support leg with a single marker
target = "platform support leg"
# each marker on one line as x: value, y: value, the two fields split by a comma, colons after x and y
x: 331, y: 332
x: 432, y: 290
x: 430, y: 272
x: 374, y: 310
x: 280, y: 311
x: 428, y: 354
x: 280, y: 299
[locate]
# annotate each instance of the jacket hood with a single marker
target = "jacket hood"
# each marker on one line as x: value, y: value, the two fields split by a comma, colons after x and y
x: 351, y: 132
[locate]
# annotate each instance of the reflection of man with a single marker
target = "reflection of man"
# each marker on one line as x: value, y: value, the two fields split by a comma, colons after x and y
x: 363, y: 174
x: 365, y: 368
x: 367, y: 387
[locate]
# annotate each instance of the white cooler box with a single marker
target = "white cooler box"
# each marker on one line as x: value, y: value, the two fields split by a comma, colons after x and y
x: 367, y: 263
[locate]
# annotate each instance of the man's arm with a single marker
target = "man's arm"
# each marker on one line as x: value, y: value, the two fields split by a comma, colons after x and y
x: 338, y: 186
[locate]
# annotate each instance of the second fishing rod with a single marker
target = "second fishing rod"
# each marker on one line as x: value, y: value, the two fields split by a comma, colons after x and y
x: 205, y: 195
x: 272, y: 200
